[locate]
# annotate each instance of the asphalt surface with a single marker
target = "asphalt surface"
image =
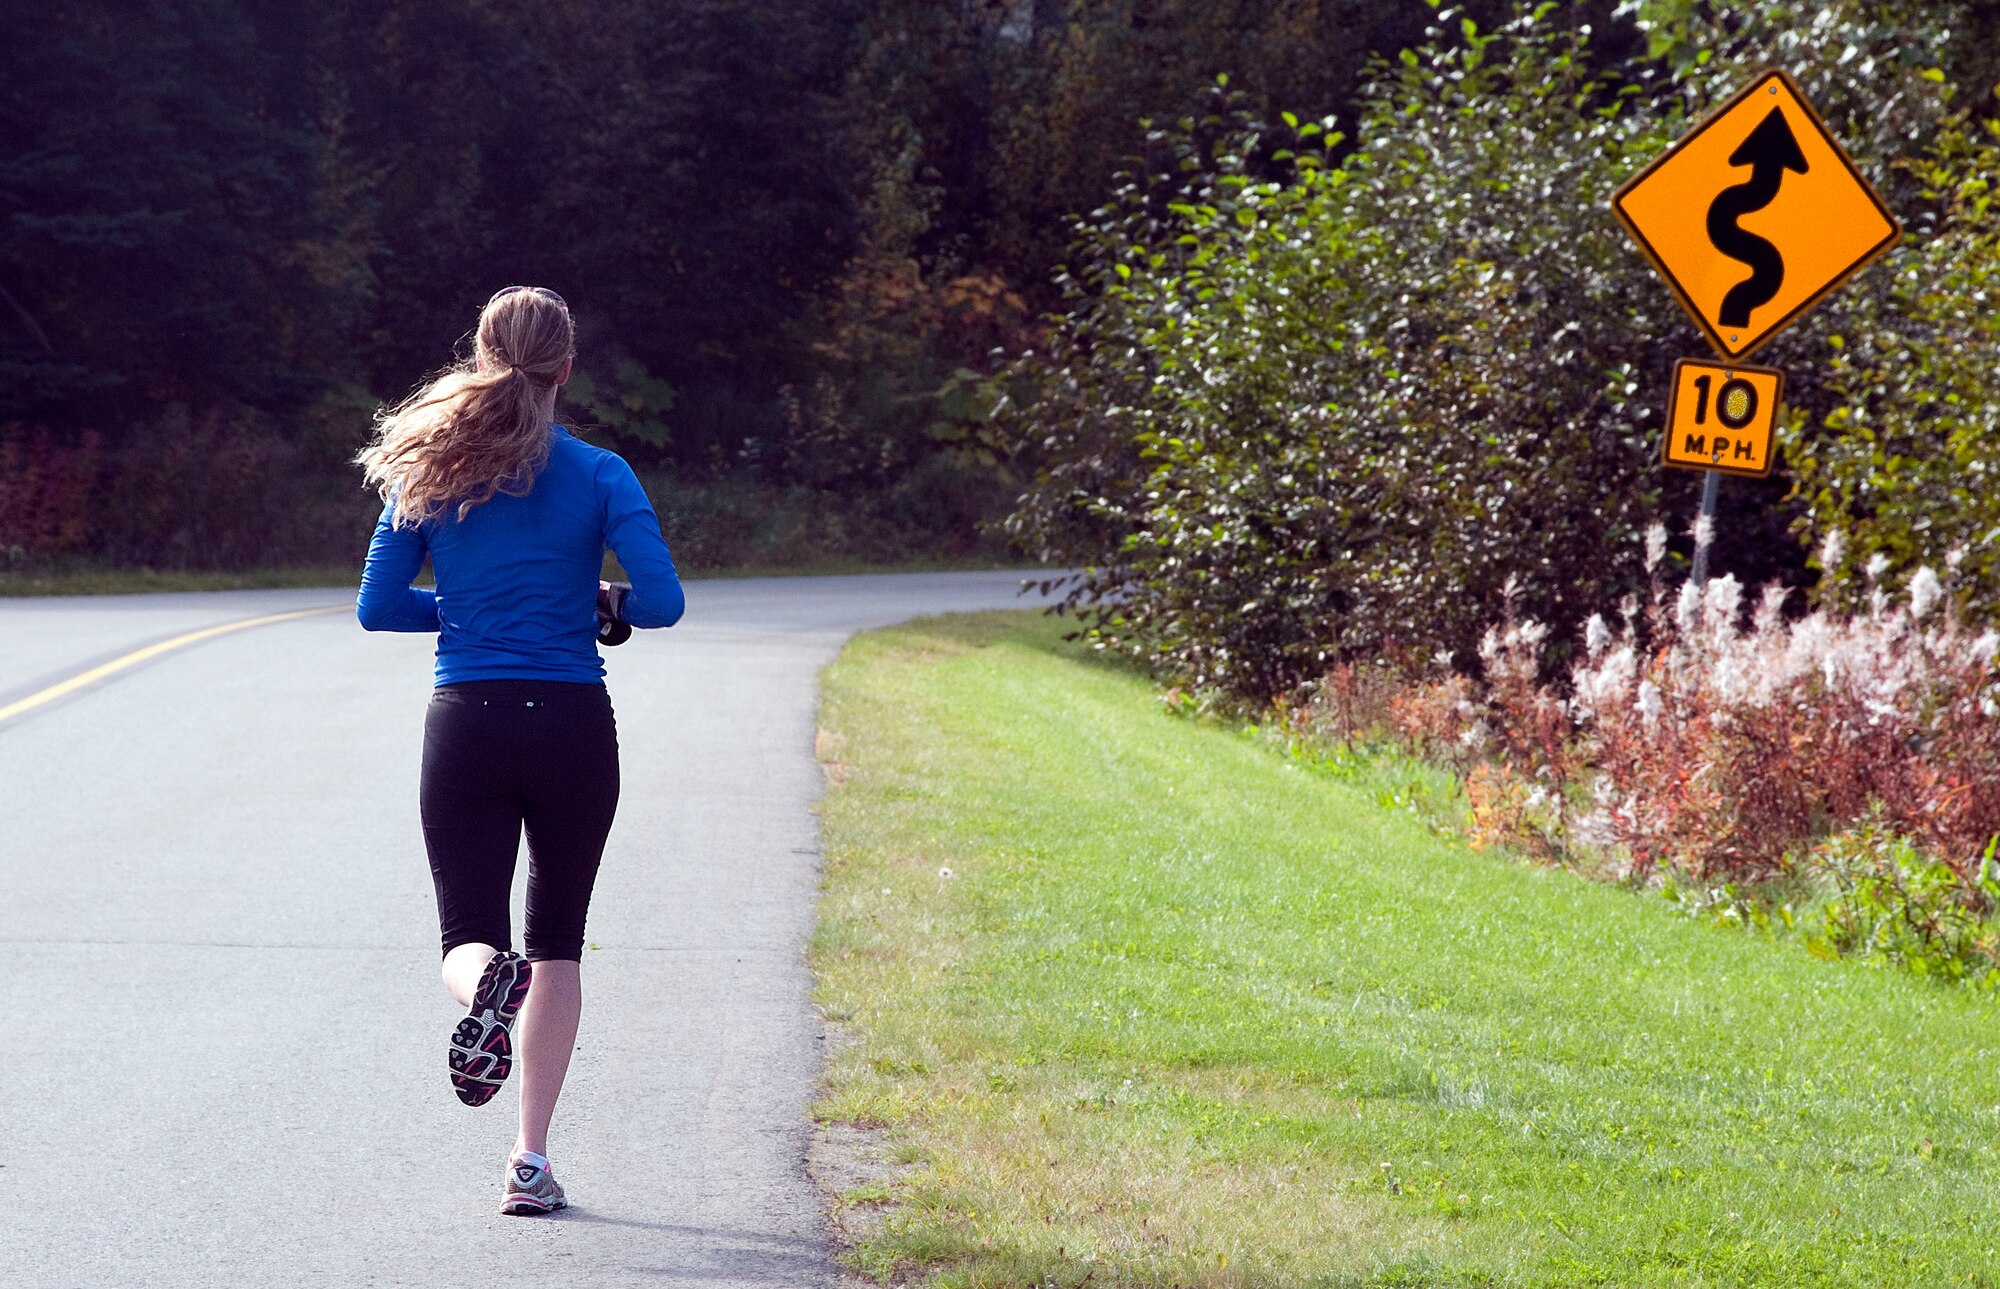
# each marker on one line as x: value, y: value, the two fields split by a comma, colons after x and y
x: 222, y: 1052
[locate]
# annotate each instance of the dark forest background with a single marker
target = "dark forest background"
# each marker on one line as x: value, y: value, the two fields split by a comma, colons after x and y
x: 796, y: 237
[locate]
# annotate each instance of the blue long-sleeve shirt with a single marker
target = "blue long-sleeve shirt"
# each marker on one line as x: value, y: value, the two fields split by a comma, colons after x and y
x: 516, y: 594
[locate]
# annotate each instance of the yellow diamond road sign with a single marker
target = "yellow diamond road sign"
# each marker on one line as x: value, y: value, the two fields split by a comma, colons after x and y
x: 1755, y: 216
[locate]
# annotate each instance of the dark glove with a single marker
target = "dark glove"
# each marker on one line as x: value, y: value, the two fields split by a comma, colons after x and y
x: 612, y: 629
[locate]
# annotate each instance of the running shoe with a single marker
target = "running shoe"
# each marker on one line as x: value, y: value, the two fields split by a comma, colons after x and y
x: 530, y: 1191
x: 482, y: 1047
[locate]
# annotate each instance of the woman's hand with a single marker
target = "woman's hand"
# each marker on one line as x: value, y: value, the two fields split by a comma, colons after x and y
x: 612, y: 629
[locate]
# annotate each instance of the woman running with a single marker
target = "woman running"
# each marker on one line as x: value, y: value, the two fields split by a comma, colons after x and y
x: 515, y: 515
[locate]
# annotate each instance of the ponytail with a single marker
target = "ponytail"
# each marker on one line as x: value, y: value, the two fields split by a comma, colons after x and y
x: 482, y: 426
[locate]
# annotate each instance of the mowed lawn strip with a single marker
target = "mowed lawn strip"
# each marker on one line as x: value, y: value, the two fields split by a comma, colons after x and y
x: 1184, y: 1012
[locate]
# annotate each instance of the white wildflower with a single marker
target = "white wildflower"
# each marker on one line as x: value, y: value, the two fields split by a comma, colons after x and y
x: 1808, y: 645
x: 1531, y: 633
x: 1813, y: 632
x: 1656, y: 546
x: 945, y: 873
x: 1688, y: 608
x: 1925, y: 592
x: 1609, y: 681
x: 1649, y: 701
x: 1489, y: 645
x: 1704, y: 531
x: 1733, y: 678
x: 1771, y: 608
x: 1980, y: 652
x: 1442, y: 659
x: 1620, y: 668
x: 1596, y: 635
x: 1597, y: 827
x: 1831, y: 549
x: 1878, y: 564
x: 1721, y: 600
x: 1954, y: 557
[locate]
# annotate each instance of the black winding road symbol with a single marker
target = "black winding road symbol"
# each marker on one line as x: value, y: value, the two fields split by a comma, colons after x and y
x: 1770, y: 151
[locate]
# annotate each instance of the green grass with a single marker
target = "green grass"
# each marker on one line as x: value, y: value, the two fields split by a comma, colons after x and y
x: 1186, y: 1012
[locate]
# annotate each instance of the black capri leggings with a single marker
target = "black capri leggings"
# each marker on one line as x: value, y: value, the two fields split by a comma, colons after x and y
x: 500, y: 755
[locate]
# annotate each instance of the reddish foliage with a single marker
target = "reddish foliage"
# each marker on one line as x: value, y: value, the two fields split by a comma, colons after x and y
x: 1717, y: 752
x: 45, y: 488
x: 1433, y: 719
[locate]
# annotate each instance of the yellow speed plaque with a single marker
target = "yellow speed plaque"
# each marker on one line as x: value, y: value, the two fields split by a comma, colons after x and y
x: 1721, y: 416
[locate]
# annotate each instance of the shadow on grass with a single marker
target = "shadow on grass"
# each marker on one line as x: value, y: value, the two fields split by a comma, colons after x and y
x: 1032, y: 630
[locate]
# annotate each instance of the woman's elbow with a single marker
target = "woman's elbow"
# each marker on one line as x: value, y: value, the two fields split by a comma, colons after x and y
x: 657, y: 609
x: 373, y: 615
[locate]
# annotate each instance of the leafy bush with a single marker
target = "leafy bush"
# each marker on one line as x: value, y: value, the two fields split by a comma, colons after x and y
x: 631, y: 403
x: 1303, y: 409
x: 1285, y: 418
x: 1846, y: 763
x: 1903, y: 463
x: 738, y: 522
x: 1687, y: 743
x: 1895, y: 904
x: 225, y: 491
x: 188, y: 492
x: 222, y: 492
x: 44, y: 492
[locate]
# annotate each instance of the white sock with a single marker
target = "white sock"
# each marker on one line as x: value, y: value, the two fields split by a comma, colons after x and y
x: 531, y: 1159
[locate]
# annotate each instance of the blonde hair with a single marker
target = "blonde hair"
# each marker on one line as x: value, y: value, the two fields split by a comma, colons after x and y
x: 482, y: 426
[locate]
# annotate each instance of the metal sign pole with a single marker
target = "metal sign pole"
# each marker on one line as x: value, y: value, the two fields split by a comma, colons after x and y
x: 1704, y: 527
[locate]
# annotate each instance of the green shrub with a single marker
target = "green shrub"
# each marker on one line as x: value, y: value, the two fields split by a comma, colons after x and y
x: 631, y: 403
x: 741, y: 523
x: 1302, y: 408
x: 1903, y: 462
x: 219, y: 491
x: 1893, y: 903
x: 1847, y: 764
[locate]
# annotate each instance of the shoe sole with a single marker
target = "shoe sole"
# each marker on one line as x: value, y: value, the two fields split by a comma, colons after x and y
x: 529, y: 1206
x: 481, y: 1054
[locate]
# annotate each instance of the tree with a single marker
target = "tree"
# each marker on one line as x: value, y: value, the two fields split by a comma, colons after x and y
x: 1363, y: 404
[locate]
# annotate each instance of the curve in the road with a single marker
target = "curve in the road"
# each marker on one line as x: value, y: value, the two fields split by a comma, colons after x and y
x: 91, y: 676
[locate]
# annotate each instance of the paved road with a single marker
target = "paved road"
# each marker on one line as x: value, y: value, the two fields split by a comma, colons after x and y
x: 221, y: 1054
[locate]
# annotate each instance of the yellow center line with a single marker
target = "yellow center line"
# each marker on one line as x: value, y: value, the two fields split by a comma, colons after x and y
x: 138, y: 656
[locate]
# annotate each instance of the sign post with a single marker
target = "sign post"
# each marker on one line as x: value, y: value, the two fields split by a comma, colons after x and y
x: 1759, y: 188
x: 1711, y: 485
